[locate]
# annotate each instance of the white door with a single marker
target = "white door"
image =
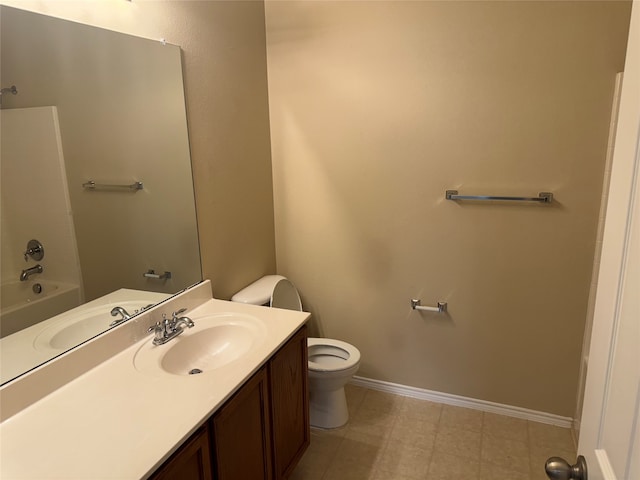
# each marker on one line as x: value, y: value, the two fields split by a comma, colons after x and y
x: 610, y: 425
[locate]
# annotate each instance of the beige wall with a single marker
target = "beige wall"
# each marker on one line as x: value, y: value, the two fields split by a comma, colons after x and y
x: 223, y: 49
x: 376, y: 109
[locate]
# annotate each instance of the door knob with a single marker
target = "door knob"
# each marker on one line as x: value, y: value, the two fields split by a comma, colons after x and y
x: 559, y: 469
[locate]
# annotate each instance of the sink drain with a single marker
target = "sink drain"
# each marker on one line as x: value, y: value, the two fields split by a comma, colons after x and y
x: 195, y: 371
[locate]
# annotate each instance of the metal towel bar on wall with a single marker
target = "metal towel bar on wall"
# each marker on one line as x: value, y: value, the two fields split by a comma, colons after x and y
x: 543, y: 197
x: 441, y: 308
x: 91, y: 185
x: 158, y: 276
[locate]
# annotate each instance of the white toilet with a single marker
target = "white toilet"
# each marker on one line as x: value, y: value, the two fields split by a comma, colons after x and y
x: 331, y: 362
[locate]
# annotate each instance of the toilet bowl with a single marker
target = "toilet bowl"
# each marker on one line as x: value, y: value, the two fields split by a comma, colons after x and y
x: 332, y: 363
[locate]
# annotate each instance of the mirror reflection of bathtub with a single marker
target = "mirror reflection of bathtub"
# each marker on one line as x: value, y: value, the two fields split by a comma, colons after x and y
x: 43, y: 340
x: 22, y: 305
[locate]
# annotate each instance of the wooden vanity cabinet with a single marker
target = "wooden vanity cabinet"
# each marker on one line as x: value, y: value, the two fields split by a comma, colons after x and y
x: 241, y: 433
x: 263, y: 430
x: 260, y: 433
x: 288, y: 380
x: 192, y: 461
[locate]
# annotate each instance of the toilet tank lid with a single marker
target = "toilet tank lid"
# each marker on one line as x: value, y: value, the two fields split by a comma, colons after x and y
x: 259, y: 292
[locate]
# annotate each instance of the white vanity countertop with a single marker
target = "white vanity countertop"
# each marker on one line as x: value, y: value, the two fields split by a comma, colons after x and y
x: 28, y: 348
x: 115, y: 422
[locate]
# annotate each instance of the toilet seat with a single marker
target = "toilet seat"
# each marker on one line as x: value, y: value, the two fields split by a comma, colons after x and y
x: 285, y: 295
x: 329, y: 355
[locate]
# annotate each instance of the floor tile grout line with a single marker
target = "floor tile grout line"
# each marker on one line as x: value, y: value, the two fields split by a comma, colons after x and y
x: 530, y: 444
x: 435, y: 439
x: 343, y: 435
x: 330, y: 460
x: 399, y: 408
x: 482, y: 433
x: 388, y: 437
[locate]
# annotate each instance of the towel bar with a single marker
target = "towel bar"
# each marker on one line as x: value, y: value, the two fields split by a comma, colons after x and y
x: 543, y: 197
x: 91, y: 185
x: 441, y: 308
x: 158, y: 276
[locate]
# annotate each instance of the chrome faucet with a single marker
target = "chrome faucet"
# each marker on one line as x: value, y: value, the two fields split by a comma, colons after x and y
x: 115, y: 311
x: 183, y: 322
x: 169, y: 329
x: 24, y: 276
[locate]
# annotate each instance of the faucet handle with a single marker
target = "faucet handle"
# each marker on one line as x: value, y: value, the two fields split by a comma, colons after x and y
x: 155, y: 327
x: 34, y: 250
x: 178, y: 312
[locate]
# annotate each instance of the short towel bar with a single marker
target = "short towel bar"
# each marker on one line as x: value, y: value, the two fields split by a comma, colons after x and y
x: 158, y: 276
x: 441, y: 308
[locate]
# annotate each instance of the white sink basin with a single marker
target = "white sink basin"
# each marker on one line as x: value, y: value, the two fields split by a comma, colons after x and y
x: 214, y: 342
x: 74, y: 328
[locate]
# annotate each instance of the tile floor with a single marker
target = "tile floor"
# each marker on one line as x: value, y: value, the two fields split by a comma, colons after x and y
x: 392, y: 437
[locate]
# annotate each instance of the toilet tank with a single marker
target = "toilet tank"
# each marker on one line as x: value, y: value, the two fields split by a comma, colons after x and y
x: 273, y: 290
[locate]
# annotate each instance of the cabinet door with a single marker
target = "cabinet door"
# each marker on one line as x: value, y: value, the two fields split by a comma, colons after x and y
x: 289, y: 403
x: 241, y: 433
x: 191, y: 462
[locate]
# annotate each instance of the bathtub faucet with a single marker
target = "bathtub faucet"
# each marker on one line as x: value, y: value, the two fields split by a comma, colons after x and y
x: 119, y: 310
x: 24, y: 276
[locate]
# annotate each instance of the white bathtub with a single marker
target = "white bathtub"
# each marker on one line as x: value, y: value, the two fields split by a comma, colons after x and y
x: 21, y: 307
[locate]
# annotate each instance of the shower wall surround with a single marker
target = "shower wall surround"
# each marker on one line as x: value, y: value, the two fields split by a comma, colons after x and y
x: 34, y: 184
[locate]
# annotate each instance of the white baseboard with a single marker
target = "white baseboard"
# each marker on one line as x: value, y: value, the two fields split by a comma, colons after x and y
x: 458, y: 401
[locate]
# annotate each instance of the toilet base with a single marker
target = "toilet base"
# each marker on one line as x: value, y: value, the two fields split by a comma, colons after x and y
x: 328, y: 409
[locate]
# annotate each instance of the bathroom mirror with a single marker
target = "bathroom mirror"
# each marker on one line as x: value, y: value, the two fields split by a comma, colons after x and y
x: 89, y: 105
